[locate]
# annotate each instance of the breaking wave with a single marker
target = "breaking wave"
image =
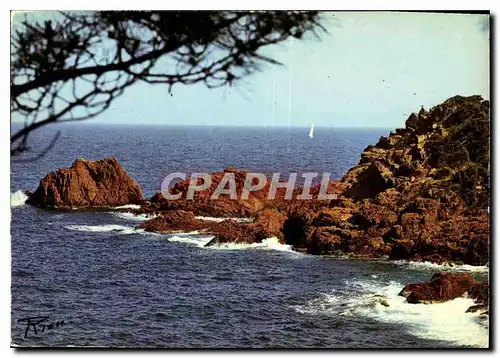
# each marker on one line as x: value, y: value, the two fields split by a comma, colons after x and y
x: 199, y: 241
x: 128, y: 206
x: 446, y: 267
x: 271, y: 243
x: 380, y: 301
x: 18, y: 198
x: 119, y: 229
x: 134, y: 217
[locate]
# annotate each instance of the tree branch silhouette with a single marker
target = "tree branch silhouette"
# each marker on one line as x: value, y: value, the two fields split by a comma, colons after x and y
x: 72, y: 69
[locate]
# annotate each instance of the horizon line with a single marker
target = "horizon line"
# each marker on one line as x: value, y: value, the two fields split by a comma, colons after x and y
x: 212, y: 125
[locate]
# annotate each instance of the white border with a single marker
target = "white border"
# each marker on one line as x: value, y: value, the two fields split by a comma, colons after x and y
x: 185, y: 4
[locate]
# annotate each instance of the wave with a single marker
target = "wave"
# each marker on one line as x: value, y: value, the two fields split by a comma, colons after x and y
x: 199, y: 241
x: 443, y: 267
x: 271, y: 243
x: 128, y: 206
x: 18, y: 198
x: 209, y: 218
x: 380, y: 301
x: 134, y: 217
x: 119, y: 229
x: 195, y: 238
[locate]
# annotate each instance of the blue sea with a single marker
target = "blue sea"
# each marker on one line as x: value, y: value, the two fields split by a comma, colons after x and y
x: 114, y: 286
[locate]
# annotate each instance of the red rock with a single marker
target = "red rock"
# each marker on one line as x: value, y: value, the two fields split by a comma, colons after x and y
x: 202, y: 204
x: 427, y: 208
x: 373, y: 215
x: 172, y: 221
x: 325, y: 240
x: 270, y: 223
x: 230, y: 231
x: 376, y: 243
x: 159, y: 202
x: 443, y: 286
x: 412, y: 121
x: 395, y: 203
x: 336, y: 216
x: 87, y: 184
x: 368, y: 181
x: 480, y: 293
x: 402, y: 250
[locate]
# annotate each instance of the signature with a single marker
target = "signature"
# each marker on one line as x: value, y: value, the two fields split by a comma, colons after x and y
x: 39, y: 324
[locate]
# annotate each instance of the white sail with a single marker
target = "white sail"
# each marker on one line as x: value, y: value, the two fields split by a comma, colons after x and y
x: 311, y: 131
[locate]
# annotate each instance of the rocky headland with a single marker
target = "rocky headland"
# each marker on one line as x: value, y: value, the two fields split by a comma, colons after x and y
x: 419, y: 194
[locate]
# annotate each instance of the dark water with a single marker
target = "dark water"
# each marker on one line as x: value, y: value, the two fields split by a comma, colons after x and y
x: 114, y: 286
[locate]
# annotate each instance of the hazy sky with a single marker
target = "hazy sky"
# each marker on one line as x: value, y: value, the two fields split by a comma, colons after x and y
x: 371, y: 70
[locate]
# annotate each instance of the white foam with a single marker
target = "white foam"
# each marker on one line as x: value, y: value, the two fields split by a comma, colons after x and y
x: 209, y: 218
x: 444, y: 267
x: 199, y: 241
x: 271, y: 243
x: 134, y: 217
x: 18, y: 198
x: 105, y: 228
x: 128, y: 206
x: 441, y: 321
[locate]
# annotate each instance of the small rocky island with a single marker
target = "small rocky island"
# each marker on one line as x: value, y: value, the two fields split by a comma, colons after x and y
x: 419, y: 194
x: 88, y: 184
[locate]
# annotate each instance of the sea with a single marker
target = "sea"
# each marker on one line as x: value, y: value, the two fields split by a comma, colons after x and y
x: 93, y: 280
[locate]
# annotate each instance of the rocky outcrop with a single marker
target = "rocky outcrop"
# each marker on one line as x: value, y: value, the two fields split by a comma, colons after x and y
x: 203, y: 204
x: 367, y: 180
x: 223, y: 206
x: 445, y: 286
x: 230, y: 231
x: 419, y: 194
x: 269, y: 223
x: 87, y: 184
x: 173, y: 221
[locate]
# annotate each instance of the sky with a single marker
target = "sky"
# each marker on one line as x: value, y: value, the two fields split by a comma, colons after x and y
x: 370, y: 70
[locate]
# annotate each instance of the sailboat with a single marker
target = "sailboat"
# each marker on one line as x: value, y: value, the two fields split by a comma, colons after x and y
x: 311, y: 131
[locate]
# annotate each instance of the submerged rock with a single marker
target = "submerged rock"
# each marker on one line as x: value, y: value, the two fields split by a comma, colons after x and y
x: 472, y: 309
x: 382, y: 300
x: 87, y: 184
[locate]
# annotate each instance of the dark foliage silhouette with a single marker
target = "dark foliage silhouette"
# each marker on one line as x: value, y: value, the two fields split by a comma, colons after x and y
x: 72, y: 68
